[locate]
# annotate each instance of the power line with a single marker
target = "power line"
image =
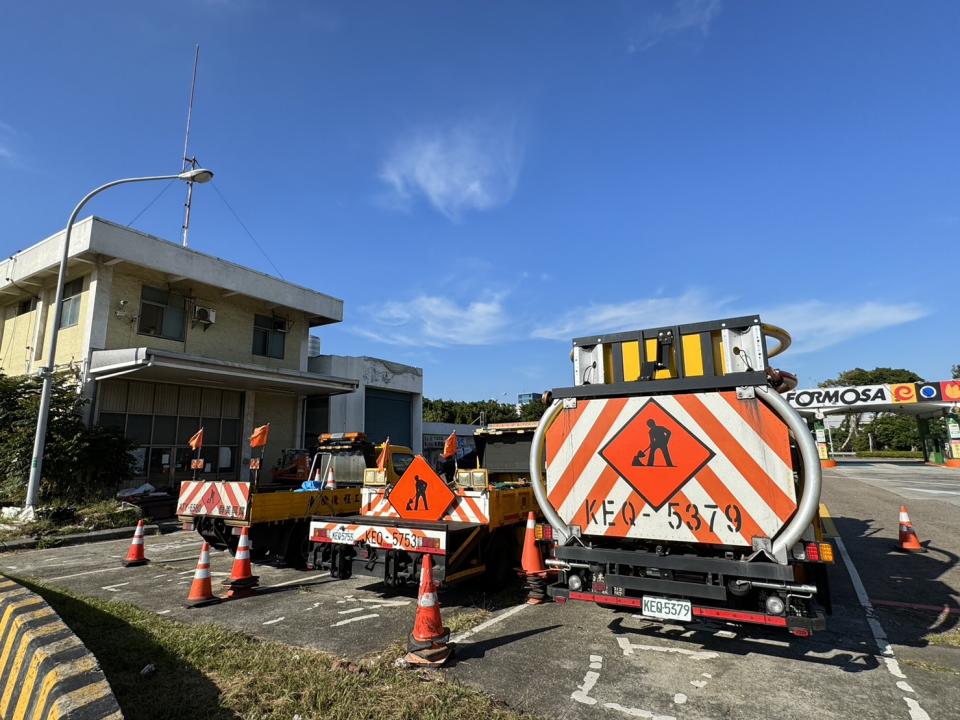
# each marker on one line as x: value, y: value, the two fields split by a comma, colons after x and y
x: 246, y: 230
x: 150, y: 204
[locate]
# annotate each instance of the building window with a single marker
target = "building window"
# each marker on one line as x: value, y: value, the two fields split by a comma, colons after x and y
x: 161, y: 314
x: 269, y: 336
x: 70, y: 308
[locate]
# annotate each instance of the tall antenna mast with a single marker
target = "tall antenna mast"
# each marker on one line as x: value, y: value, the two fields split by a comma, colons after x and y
x: 187, y: 160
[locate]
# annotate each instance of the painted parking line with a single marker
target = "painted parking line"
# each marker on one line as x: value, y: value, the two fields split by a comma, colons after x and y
x: 489, y: 623
x: 275, y: 620
x: 296, y: 581
x: 354, y: 619
x: 880, y: 636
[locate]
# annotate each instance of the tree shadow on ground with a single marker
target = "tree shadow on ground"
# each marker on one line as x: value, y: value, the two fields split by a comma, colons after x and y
x: 892, y: 576
x: 174, y: 689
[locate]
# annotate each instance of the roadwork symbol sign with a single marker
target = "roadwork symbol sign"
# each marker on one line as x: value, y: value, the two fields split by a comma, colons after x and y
x: 211, y: 499
x: 655, y: 454
x: 421, y: 494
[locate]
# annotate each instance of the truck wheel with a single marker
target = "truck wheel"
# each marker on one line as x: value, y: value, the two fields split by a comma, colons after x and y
x: 499, y: 559
x: 298, y: 546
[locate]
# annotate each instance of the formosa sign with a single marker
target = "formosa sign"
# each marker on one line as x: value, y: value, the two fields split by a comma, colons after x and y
x: 947, y: 391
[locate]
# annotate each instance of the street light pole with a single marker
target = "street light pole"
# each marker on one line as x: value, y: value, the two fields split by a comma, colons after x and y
x: 199, y: 175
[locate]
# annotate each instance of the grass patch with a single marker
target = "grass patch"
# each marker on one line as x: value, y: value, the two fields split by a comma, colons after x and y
x: 65, y: 520
x: 210, y: 672
x: 930, y: 667
x: 466, y: 619
x: 951, y: 638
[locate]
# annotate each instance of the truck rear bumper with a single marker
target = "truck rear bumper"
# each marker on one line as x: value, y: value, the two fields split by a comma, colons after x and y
x: 799, y: 626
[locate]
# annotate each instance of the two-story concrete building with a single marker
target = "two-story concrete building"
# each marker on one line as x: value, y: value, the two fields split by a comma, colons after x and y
x: 163, y: 340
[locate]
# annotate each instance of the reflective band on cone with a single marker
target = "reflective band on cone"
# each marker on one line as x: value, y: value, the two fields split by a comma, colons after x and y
x: 428, y: 641
x: 135, y: 555
x: 201, y: 592
x: 241, y: 575
x: 908, y: 540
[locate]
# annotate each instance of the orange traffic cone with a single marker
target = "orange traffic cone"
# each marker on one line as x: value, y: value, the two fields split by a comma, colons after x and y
x: 135, y: 554
x: 532, y: 564
x: 427, y: 642
x: 532, y: 560
x: 908, y: 537
x: 331, y: 481
x: 241, y: 575
x: 201, y: 591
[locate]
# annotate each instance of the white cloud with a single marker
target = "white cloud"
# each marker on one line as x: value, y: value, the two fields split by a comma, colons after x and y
x: 816, y: 325
x: 429, y: 320
x: 684, y: 15
x: 472, y: 166
x: 813, y: 324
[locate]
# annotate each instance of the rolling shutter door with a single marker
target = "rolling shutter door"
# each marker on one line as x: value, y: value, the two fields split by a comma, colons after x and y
x: 387, y: 414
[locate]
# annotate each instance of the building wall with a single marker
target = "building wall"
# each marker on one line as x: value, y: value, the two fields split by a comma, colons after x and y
x: 230, y: 338
x: 16, y: 342
x: 347, y: 412
x: 282, y: 412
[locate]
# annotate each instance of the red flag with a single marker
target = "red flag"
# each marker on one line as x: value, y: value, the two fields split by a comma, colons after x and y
x: 385, y: 455
x: 260, y: 435
x: 450, y: 446
x: 196, y: 442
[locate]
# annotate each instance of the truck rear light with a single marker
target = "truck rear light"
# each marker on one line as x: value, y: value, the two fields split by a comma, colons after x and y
x: 430, y: 542
x: 818, y: 552
x: 543, y: 532
x: 320, y: 534
x: 599, y: 586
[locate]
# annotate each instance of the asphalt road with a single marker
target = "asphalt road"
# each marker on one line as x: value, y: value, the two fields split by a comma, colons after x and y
x: 581, y: 661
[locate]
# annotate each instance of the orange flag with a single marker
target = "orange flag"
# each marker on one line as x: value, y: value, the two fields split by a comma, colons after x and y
x: 450, y: 446
x: 384, y: 455
x: 196, y: 442
x: 260, y: 435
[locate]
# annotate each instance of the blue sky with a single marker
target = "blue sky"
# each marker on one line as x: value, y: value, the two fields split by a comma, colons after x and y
x: 481, y: 182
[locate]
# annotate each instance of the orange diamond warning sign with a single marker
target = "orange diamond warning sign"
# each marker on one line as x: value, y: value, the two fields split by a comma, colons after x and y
x: 655, y: 454
x: 420, y: 494
x: 210, y: 499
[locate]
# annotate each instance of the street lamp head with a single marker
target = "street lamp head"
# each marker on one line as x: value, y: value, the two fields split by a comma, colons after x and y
x: 197, y: 175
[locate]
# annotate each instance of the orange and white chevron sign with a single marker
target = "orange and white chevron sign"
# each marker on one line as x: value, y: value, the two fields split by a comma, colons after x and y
x: 700, y: 467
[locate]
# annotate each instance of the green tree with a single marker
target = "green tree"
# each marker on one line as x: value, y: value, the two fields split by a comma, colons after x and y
x: 533, y: 410
x: 890, y: 432
x: 859, y: 376
x: 955, y: 371
x: 79, y: 463
x: 460, y: 411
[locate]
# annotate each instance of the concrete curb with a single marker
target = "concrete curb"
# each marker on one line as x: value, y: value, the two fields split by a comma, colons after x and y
x: 28, y: 543
x: 45, y: 671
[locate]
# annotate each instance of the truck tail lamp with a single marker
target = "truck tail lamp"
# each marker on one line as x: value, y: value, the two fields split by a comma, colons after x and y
x: 818, y: 552
x: 320, y: 534
x: 430, y: 542
x: 542, y: 531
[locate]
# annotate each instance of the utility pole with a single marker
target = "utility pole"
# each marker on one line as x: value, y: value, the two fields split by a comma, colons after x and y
x: 187, y: 160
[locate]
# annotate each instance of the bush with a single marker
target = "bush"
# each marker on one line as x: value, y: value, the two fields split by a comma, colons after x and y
x: 80, y: 464
x: 891, y: 454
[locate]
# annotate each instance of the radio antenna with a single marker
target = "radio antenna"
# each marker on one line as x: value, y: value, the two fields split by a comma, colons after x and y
x: 187, y: 160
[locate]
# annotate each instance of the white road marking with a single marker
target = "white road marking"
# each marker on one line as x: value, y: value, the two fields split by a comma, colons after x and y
x: 351, y: 610
x: 582, y: 693
x: 488, y: 623
x: 934, y: 492
x: 157, y: 577
x: 637, y: 712
x: 596, y: 662
x: 172, y: 560
x: 879, y: 634
x: 630, y: 648
x: 275, y: 620
x: 85, y: 572
x: 299, y: 580
x: 905, y: 686
x: 113, y: 588
x: 162, y: 612
x: 358, y: 618
x: 699, y: 684
x: 679, y: 699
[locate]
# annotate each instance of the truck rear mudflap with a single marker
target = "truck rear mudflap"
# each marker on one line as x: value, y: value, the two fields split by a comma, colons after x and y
x: 678, y: 587
x: 389, y: 548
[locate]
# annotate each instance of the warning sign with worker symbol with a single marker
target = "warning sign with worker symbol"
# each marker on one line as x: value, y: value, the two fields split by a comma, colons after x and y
x: 421, y: 494
x: 655, y: 454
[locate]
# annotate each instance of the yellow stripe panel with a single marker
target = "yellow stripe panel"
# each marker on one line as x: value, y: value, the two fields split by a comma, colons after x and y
x: 719, y: 360
x: 631, y: 361
x: 22, y: 652
x: 78, y: 698
x: 16, y: 623
x: 33, y: 670
x: 692, y: 355
x: 58, y: 675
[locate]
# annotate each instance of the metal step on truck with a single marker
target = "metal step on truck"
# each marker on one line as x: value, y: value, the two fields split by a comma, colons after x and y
x: 678, y: 483
x: 278, y: 511
x: 470, y: 522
